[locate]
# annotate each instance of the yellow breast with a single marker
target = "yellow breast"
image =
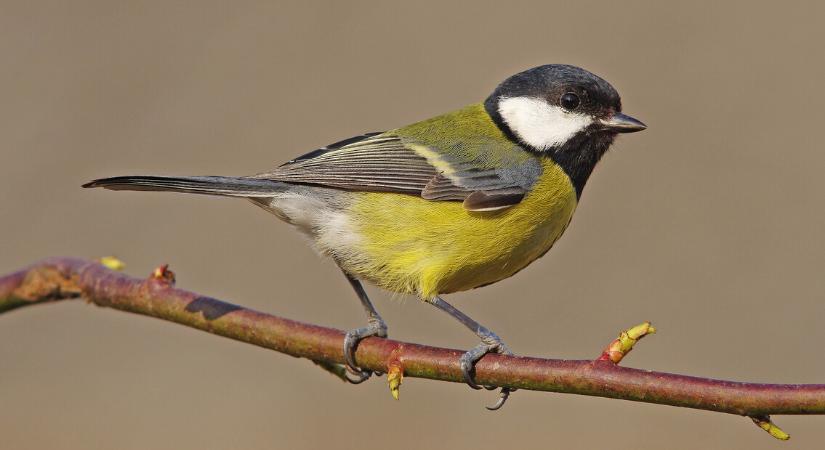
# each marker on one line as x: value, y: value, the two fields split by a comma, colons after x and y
x: 410, y: 245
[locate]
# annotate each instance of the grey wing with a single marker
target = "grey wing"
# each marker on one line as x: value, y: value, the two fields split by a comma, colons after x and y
x: 384, y: 163
x: 369, y: 162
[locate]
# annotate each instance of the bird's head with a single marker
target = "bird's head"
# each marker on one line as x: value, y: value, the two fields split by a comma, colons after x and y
x: 563, y: 111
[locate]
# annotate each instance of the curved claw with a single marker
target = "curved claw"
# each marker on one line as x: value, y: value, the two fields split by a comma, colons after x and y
x: 361, y: 376
x: 503, y: 396
x: 375, y: 327
x: 489, y: 343
x: 350, y: 343
x: 468, y: 368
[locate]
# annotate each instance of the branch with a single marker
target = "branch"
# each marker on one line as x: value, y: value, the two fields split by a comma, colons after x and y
x: 67, y: 278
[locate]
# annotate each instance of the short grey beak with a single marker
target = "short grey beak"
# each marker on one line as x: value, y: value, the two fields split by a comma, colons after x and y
x: 622, y: 123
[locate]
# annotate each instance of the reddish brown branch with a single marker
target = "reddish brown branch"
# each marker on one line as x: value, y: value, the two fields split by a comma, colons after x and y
x: 66, y: 278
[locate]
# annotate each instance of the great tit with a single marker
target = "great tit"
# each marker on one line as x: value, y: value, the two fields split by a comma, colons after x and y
x: 451, y: 203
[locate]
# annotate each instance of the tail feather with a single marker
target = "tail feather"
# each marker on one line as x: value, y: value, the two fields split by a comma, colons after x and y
x: 209, y: 185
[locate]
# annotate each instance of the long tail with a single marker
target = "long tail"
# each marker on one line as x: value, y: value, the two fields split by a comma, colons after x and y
x: 211, y: 185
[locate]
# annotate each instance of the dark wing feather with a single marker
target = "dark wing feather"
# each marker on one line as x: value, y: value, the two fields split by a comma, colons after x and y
x: 384, y: 163
x: 371, y: 163
x: 442, y: 188
x: 333, y: 146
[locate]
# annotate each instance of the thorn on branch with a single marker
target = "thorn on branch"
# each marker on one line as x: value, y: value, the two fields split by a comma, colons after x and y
x: 622, y: 345
x: 395, y: 372
x: 765, y: 423
x: 110, y: 262
x: 162, y: 273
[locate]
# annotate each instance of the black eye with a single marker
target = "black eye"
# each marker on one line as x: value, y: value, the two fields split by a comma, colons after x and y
x: 569, y: 101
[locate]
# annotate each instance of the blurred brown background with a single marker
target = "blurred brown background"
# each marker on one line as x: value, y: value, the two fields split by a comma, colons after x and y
x: 710, y: 223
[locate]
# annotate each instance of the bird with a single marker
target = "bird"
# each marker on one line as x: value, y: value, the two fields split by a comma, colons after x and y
x: 447, y: 204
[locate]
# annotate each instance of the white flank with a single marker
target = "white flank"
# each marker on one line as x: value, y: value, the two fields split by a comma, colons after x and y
x: 330, y: 229
x: 539, y: 123
x: 336, y: 234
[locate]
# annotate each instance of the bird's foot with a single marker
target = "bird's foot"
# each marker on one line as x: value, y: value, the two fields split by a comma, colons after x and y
x: 490, y: 343
x: 375, y: 327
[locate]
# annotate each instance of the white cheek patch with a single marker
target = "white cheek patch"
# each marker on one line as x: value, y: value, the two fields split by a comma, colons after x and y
x: 539, y: 123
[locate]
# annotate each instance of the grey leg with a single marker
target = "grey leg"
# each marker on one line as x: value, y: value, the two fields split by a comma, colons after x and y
x: 375, y: 327
x: 490, y: 342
